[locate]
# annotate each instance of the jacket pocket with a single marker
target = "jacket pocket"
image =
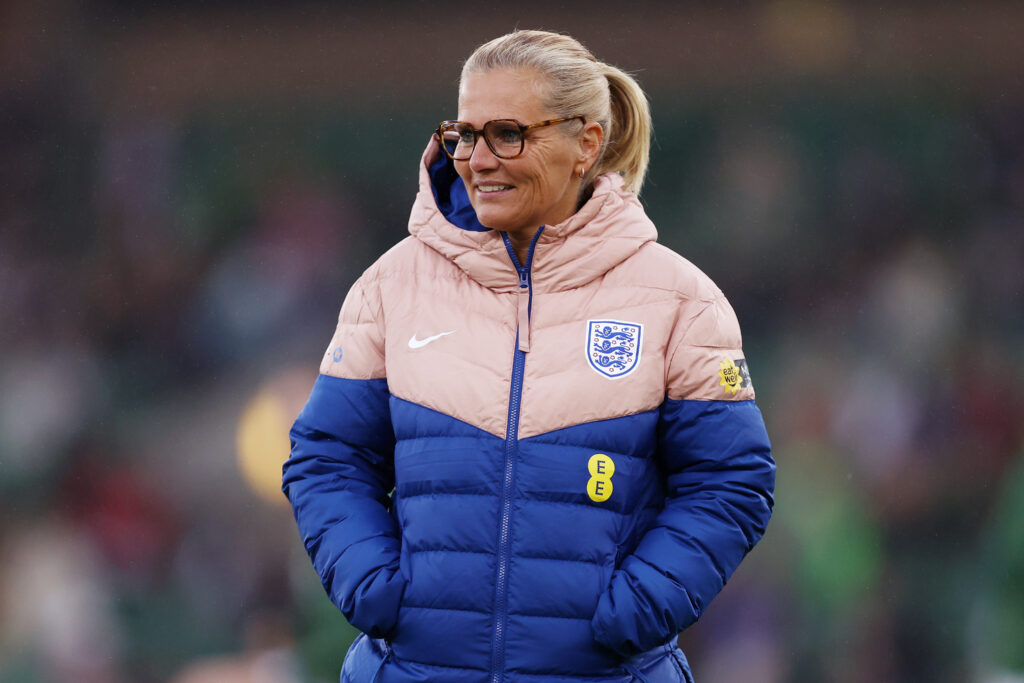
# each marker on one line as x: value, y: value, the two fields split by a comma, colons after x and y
x: 620, y: 554
x: 679, y: 659
x: 660, y: 665
x: 636, y: 674
x: 365, y: 660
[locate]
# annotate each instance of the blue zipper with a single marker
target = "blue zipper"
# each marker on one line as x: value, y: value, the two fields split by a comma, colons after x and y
x: 511, y: 451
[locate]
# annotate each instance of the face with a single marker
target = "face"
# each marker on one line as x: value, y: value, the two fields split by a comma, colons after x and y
x: 540, y: 186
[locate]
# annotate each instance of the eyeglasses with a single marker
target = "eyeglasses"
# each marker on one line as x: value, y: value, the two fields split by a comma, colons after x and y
x: 505, y: 137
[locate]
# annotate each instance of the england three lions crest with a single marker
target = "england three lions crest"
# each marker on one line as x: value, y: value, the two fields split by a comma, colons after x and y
x: 613, y: 347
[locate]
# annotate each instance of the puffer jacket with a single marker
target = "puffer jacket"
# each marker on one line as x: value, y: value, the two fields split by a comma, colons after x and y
x: 528, y: 473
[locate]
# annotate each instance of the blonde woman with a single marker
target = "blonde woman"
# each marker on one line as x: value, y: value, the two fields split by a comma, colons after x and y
x: 532, y: 454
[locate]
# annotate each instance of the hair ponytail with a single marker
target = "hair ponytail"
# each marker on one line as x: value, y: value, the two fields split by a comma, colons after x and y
x: 628, y: 135
x: 578, y: 84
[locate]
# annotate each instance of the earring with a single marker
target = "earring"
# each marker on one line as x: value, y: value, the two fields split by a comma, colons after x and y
x: 582, y: 171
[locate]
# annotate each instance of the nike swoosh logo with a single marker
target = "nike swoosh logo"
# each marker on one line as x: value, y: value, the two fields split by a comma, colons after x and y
x: 415, y: 343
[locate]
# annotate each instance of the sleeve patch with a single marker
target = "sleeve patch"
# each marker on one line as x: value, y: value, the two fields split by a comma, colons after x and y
x: 733, y: 375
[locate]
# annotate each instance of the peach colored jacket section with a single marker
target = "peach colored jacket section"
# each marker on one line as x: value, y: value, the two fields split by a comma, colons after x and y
x: 436, y: 316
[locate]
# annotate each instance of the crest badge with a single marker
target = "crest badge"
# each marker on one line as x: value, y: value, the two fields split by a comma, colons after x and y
x: 613, y: 347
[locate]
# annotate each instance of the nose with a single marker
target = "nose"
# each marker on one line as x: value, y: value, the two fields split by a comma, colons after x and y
x: 482, y: 158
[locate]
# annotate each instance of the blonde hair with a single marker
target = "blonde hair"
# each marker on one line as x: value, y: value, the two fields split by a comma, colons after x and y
x: 578, y: 84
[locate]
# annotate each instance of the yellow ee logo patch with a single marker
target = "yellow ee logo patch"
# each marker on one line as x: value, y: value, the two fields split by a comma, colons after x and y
x: 601, y: 469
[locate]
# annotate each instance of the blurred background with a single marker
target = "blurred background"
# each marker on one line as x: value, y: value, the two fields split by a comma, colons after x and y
x: 188, y: 189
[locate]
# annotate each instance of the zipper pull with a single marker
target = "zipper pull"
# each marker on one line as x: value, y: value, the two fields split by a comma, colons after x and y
x: 524, y: 310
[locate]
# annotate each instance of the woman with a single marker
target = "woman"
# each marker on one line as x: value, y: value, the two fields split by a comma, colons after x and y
x: 532, y: 453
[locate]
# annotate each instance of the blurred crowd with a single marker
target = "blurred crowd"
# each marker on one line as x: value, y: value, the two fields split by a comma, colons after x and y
x: 169, y: 279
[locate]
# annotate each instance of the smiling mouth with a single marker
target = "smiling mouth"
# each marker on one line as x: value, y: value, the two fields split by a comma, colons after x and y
x: 492, y: 188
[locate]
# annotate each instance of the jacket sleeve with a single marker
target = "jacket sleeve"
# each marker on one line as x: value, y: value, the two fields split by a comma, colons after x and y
x: 720, y: 478
x: 341, y: 471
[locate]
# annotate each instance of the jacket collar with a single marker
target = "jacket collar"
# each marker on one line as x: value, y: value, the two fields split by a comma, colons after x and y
x: 607, y: 229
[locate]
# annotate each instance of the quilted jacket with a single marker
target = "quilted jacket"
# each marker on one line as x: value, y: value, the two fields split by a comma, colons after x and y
x: 528, y: 473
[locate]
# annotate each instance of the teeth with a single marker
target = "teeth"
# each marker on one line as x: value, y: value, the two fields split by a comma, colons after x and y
x: 493, y: 188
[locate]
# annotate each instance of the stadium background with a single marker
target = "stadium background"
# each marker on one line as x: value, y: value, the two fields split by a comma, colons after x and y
x: 187, y: 190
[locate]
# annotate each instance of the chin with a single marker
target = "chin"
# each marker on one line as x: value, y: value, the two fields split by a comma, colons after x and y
x: 496, y: 221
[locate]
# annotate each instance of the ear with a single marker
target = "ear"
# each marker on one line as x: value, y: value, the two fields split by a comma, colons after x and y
x: 591, y: 138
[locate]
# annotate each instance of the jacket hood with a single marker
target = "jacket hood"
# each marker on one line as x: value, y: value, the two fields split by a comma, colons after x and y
x: 608, y: 229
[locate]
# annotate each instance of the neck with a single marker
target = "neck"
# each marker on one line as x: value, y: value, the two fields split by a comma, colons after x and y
x: 520, y: 240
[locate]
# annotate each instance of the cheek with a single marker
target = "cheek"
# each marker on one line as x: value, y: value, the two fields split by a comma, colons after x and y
x: 545, y: 176
x: 462, y: 168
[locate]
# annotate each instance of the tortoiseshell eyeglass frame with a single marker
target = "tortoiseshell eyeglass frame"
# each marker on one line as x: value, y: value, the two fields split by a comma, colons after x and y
x: 478, y: 133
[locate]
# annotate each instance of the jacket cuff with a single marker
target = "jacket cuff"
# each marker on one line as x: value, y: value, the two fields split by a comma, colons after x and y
x: 616, y: 623
x: 374, y: 607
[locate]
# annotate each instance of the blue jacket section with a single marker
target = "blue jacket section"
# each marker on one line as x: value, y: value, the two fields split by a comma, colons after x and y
x: 338, y: 479
x: 596, y: 592
x: 720, y: 477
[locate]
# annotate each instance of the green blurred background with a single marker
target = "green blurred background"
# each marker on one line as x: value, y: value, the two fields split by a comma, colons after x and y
x: 188, y: 189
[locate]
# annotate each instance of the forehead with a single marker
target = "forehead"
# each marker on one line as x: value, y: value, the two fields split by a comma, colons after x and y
x: 501, y: 94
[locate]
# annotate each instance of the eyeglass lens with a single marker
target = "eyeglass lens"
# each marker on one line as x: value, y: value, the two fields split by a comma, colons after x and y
x: 503, y: 137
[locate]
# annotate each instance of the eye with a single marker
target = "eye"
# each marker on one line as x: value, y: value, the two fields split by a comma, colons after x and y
x: 458, y: 140
x: 507, y: 135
